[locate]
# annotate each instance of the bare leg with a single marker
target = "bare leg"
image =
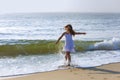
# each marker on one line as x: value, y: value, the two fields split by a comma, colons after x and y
x: 68, y: 57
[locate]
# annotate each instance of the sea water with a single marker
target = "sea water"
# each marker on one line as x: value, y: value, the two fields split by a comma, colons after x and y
x: 29, y: 35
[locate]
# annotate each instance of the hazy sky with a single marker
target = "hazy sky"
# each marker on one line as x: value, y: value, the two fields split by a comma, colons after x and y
x: 11, y: 6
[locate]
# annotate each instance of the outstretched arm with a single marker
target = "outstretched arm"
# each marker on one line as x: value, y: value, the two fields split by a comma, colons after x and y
x: 60, y: 38
x: 77, y: 33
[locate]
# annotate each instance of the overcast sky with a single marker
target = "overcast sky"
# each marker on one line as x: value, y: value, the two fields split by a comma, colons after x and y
x: 11, y: 6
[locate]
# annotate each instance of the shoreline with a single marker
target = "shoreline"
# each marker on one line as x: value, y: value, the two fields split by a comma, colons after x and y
x: 104, y: 72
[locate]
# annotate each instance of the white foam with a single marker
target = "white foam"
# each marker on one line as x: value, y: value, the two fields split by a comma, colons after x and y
x: 28, y: 64
x: 113, y: 44
x: 43, y: 63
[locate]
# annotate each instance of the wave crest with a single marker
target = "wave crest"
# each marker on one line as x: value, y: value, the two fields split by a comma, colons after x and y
x: 35, y: 47
x: 113, y: 44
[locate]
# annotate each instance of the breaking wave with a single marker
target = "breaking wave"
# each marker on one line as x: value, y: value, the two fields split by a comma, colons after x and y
x: 35, y: 47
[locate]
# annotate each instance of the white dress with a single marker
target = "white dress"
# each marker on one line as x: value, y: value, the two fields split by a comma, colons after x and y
x: 69, y: 43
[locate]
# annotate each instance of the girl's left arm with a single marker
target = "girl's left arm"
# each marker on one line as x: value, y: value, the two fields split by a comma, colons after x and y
x: 77, y: 33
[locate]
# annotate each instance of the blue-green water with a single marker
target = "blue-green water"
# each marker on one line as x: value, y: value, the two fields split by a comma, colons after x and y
x: 50, y: 25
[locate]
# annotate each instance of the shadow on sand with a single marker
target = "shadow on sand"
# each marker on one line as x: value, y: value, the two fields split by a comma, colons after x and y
x: 105, y: 71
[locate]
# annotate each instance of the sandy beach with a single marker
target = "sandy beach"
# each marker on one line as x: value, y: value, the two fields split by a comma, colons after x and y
x: 104, y: 72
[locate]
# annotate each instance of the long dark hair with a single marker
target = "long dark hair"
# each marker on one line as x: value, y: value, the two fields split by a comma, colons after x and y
x: 72, y: 32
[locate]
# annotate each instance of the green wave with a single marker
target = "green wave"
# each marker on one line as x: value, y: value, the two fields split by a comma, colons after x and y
x: 36, y: 47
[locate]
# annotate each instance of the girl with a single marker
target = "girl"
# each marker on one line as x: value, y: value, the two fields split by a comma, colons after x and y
x: 69, y: 43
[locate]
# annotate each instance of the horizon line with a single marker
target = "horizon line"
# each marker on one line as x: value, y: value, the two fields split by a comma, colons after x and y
x: 55, y: 12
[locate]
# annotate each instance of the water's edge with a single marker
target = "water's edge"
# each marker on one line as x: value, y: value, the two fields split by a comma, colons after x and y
x: 22, y: 75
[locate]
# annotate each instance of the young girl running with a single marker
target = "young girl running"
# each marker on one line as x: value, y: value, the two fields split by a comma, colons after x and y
x: 69, y: 43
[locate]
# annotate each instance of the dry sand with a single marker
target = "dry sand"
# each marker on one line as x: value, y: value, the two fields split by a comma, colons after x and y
x: 105, y: 72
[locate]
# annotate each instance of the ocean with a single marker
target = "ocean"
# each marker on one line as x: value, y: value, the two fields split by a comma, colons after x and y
x: 27, y: 41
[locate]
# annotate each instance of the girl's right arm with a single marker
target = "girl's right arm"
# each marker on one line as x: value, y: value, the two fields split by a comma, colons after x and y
x: 60, y: 38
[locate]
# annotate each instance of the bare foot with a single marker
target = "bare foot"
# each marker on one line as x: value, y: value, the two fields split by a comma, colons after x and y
x: 68, y: 65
